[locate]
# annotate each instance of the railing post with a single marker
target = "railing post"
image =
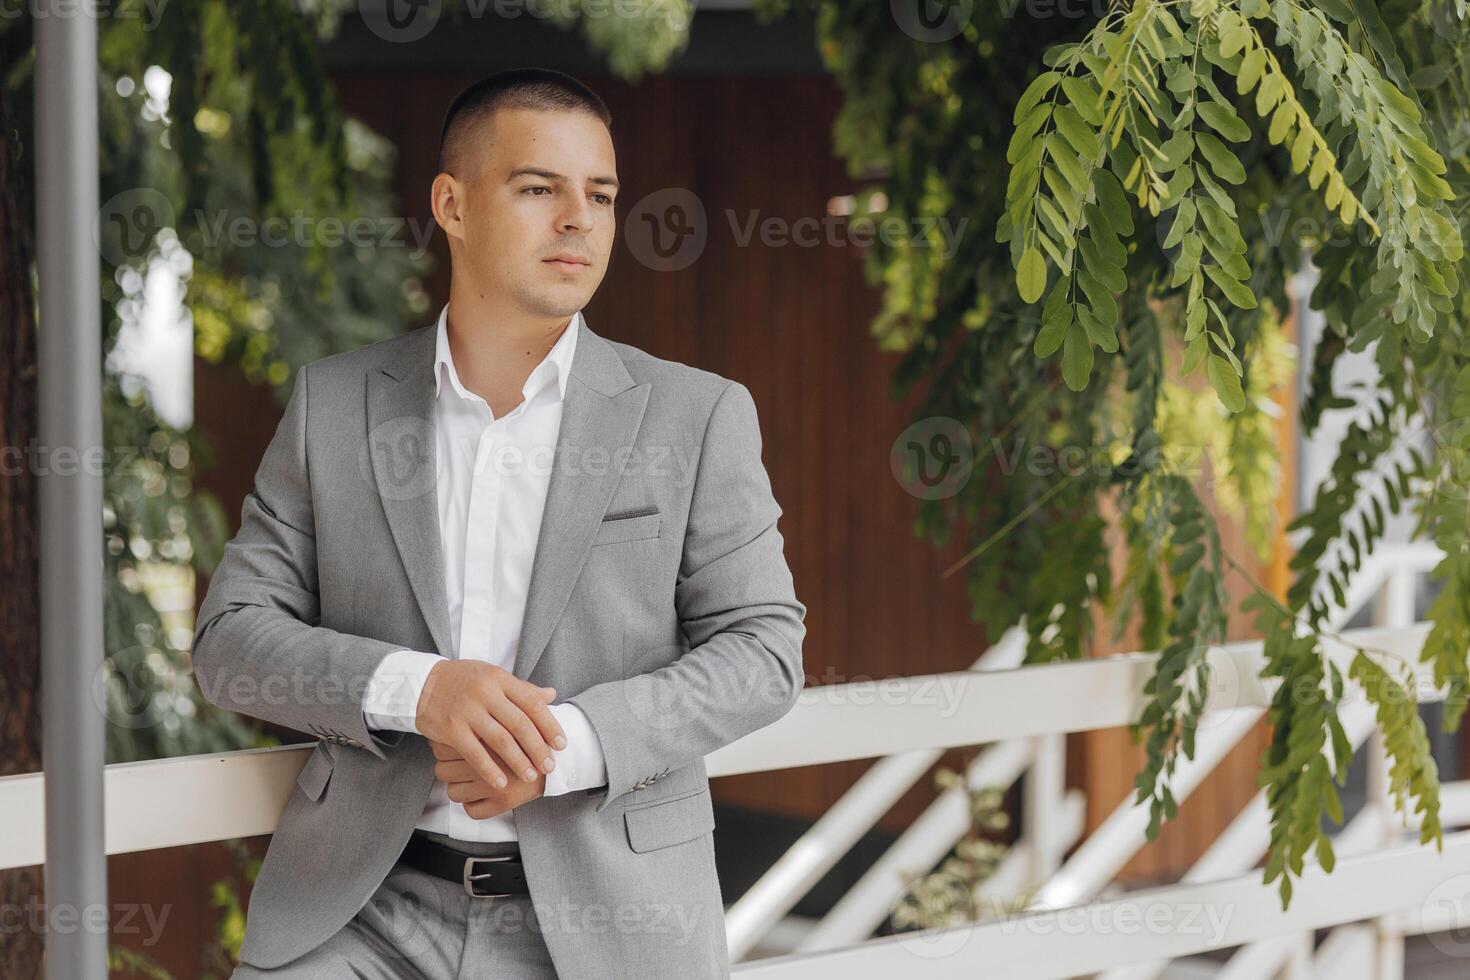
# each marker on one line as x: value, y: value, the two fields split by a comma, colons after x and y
x: 1393, y: 606
x: 1043, y: 795
x: 1299, y: 964
x: 70, y: 400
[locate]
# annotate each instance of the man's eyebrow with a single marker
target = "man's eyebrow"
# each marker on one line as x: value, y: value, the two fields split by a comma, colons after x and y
x: 553, y: 175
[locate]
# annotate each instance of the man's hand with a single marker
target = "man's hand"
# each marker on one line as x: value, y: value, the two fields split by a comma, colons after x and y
x: 474, y: 707
x: 481, y: 801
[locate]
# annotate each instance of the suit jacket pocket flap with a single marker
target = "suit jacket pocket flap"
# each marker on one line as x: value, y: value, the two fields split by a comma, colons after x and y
x: 668, y: 822
x: 316, y: 772
x: 628, y: 529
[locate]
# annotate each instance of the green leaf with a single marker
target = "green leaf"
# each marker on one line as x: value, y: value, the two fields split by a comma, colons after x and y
x: 1031, y: 275
x: 1193, y: 351
x: 1056, y: 318
x: 1041, y: 85
x: 1222, y: 160
x: 1085, y: 98
x: 1107, y: 273
x: 1224, y: 120
x: 1325, y: 857
x: 1251, y: 67
x: 1076, y: 359
x: 1172, y: 153
x: 1281, y: 122
x: 1025, y: 133
x: 1099, y: 333
x: 1066, y: 162
x: 1103, y: 303
x: 1234, y: 290
x: 1113, y: 200
x: 1082, y: 136
x: 1234, y: 33
x: 1269, y: 93
x: 1226, y: 383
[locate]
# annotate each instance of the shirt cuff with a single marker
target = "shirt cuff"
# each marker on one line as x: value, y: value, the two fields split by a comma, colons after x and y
x: 581, y: 764
x: 392, y: 697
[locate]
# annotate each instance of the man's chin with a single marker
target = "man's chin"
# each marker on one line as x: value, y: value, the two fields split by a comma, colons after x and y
x: 553, y: 301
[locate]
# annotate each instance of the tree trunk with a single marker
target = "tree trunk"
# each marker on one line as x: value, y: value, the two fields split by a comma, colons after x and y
x: 21, y: 890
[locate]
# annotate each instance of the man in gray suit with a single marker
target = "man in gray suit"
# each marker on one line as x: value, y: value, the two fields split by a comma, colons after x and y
x: 518, y: 580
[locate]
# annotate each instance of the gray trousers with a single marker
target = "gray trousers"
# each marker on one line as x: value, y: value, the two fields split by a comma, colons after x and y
x: 419, y: 927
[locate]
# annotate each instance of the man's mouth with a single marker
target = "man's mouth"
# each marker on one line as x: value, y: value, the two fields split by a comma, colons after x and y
x: 568, y: 263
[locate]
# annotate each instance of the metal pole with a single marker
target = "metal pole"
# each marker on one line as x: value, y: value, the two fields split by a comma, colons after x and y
x: 70, y: 482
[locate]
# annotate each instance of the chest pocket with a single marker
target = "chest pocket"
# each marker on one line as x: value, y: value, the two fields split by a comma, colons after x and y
x: 631, y: 528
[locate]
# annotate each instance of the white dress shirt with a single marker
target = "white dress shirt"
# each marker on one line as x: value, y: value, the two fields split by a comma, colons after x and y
x: 493, y: 476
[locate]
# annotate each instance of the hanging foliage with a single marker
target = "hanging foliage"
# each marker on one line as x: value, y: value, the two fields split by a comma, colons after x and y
x: 1154, y: 174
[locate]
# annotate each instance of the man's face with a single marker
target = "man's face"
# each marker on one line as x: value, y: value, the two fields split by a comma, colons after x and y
x: 537, y: 186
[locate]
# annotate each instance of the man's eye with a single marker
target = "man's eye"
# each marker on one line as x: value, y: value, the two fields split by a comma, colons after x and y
x: 603, y: 199
x: 538, y: 187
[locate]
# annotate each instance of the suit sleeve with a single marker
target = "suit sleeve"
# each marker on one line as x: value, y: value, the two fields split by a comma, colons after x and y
x: 739, y: 614
x: 258, y: 648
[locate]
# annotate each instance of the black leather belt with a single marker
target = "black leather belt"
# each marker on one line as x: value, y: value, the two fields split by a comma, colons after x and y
x: 494, y: 876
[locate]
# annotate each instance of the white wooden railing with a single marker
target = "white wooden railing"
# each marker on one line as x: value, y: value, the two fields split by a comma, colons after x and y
x: 1387, y: 582
x: 1022, y: 714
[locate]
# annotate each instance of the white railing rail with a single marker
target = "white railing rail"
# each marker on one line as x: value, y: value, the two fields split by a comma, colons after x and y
x: 167, y: 802
x: 1174, y: 921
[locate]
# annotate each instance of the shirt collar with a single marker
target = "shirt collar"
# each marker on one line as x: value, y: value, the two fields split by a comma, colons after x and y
x: 557, y: 363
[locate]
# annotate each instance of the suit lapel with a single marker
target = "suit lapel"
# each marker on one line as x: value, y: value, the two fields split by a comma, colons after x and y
x: 601, y: 415
x: 404, y: 454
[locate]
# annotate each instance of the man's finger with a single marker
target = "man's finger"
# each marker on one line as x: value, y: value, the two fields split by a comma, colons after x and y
x: 455, y: 771
x: 527, y: 737
x: 469, y: 791
x: 496, y: 736
x: 539, y: 713
x: 480, y: 759
x: 484, y: 809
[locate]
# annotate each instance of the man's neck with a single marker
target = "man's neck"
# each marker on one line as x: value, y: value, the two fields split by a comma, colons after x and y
x: 495, y: 349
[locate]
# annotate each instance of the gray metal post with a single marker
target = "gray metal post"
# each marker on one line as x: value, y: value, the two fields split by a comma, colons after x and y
x: 70, y: 486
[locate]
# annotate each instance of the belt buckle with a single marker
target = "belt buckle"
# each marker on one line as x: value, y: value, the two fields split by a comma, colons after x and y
x: 470, y: 877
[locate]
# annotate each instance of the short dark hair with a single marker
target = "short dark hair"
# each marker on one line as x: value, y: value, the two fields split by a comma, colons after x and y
x: 515, y: 88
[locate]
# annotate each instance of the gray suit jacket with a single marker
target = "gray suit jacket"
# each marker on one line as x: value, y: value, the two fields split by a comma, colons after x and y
x: 660, y: 601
